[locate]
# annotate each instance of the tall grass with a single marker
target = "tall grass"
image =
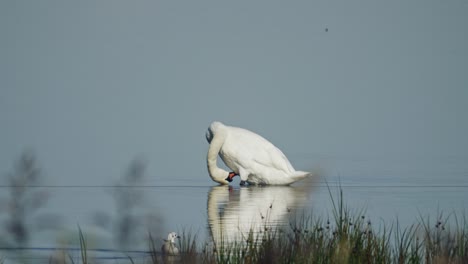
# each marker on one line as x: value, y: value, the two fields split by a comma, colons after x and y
x: 23, y: 202
x: 83, y: 250
x: 348, y: 237
x: 345, y: 238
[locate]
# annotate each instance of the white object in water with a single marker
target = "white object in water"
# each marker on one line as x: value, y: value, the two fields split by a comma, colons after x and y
x: 169, y: 247
x: 252, y: 157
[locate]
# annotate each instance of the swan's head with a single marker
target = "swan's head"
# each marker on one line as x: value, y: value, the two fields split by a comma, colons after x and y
x: 171, y: 237
x: 209, y: 135
x: 214, y: 127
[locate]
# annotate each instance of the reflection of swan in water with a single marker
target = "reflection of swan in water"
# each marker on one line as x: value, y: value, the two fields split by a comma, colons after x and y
x: 253, y: 158
x: 232, y: 213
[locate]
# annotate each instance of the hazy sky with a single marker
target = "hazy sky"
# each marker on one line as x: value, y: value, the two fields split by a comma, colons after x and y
x: 89, y: 85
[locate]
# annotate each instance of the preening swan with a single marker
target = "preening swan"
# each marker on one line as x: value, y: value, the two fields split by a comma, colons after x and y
x: 253, y: 158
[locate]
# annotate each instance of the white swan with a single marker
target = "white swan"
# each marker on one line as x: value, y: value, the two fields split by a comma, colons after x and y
x: 169, y: 248
x: 248, y: 155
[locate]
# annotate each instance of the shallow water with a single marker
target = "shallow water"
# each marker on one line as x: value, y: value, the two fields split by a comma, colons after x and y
x: 407, y: 191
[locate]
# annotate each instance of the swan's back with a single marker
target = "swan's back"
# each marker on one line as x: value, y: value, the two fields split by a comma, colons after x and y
x: 254, y: 150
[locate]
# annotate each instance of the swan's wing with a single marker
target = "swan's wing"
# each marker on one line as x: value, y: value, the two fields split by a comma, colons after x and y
x: 273, y: 158
x: 253, y: 151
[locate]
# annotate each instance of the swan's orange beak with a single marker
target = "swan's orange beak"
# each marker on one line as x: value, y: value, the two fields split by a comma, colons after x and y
x: 230, y: 176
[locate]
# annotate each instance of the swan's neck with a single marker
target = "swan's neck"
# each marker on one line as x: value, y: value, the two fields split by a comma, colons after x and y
x: 217, y: 174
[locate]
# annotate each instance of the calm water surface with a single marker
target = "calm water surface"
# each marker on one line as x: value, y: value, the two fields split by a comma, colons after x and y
x: 386, y: 191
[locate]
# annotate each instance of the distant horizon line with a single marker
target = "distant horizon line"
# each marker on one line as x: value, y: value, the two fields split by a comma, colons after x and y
x: 203, y: 186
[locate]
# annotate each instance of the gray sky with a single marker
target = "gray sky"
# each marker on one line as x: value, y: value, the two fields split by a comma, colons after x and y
x: 88, y: 85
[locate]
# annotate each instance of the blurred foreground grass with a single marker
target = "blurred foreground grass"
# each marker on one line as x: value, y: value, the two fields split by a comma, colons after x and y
x: 346, y: 238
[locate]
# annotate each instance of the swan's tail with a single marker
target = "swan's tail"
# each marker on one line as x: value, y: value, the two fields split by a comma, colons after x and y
x: 299, y: 175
